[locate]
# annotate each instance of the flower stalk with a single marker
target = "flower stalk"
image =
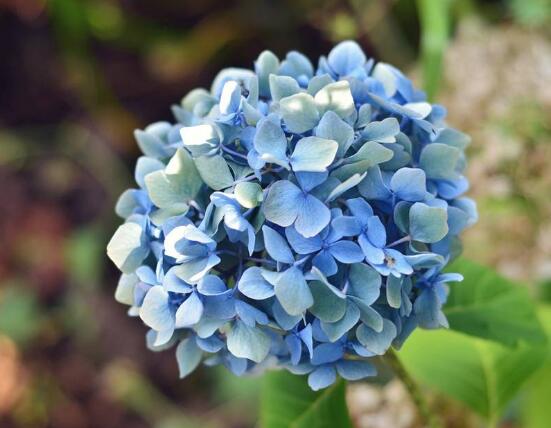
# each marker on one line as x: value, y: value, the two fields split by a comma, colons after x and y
x: 428, y: 418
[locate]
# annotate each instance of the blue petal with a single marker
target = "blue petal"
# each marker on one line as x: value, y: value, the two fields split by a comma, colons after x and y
x: 230, y: 99
x: 409, y: 184
x: 188, y: 356
x: 270, y: 142
x: 211, y: 285
x: 285, y: 321
x: 189, y: 312
x: 248, y: 342
x: 292, y: 292
x: 325, y: 262
x: 427, y: 224
x: 253, y: 285
x: 346, y: 252
x: 373, y: 255
x: 306, y: 336
x: 249, y: 314
x: 378, y: 343
x: 322, y: 377
x: 295, y: 348
x: 299, y: 112
x: 303, y: 245
x: 336, y: 330
x: 373, y: 187
x: 282, y: 203
x: 327, y: 353
x: 155, y: 311
x: 277, y: 246
x: 313, y: 154
x: 382, y: 132
x: 332, y: 127
x: 346, y: 226
x: 355, y: 370
x: 376, y: 232
x: 144, y: 166
x: 346, y: 57
x: 360, y: 209
x: 313, y: 215
x: 364, y: 283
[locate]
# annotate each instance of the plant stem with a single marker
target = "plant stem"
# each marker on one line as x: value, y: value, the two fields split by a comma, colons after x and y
x: 428, y: 418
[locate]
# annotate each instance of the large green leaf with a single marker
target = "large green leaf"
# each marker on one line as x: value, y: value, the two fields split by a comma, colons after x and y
x: 288, y: 402
x: 492, y: 307
x: 536, y: 411
x: 482, y: 374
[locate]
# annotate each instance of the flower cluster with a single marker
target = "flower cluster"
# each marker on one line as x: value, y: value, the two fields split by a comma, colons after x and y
x: 294, y: 217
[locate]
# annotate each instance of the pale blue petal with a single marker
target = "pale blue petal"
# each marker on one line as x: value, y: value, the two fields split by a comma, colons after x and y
x: 346, y: 57
x: 253, y: 285
x: 336, y: 330
x: 299, y: 112
x: 189, y: 312
x: 282, y: 203
x: 374, y: 255
x: 376, y: 232
x: 312, y: 216
x: 155, y: 311
x: 332, y: 127
x: 270, y: 142
x: 360, y: 209
x: 322, y: 377
x: 355, y: 370
x: 292, y: 292
x: 427, y: 224
x: 409, y: 184
x: 248, y: 342
x: 378, y: 343
x: 346, y: 252
x: 302, y: 245
x: 188, y: 356
x: 384, y: 131
x: 313, y: 154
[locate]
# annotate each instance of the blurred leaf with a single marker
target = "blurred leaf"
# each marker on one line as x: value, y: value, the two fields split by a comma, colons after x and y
x: 84, y: 255
x: 482, y: 374
x: 490, y: 306
x: 20, y: 317
x: 531, y: 12
x: 434, y: 17
x: 288, y: 401
x: 536, y: 412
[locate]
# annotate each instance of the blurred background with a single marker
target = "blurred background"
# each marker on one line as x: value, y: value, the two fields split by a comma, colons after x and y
x: 78, y: 76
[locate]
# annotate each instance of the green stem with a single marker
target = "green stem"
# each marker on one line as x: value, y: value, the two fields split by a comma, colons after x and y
x: 428, y: 418
x: 435, y: 23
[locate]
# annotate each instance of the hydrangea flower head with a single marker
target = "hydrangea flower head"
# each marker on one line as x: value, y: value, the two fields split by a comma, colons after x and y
x: 294, y: 216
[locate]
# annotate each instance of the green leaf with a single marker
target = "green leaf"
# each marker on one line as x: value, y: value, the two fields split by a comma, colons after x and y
x: 214, y: 171
x: 536, y: 412
x: 489, y: 306
x: 20, y: 316
x: 177, y: 184
x: 288, y: 402
x: 482, y: 374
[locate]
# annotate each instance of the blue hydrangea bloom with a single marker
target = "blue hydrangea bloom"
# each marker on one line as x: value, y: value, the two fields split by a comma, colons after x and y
x: 294, y: 217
